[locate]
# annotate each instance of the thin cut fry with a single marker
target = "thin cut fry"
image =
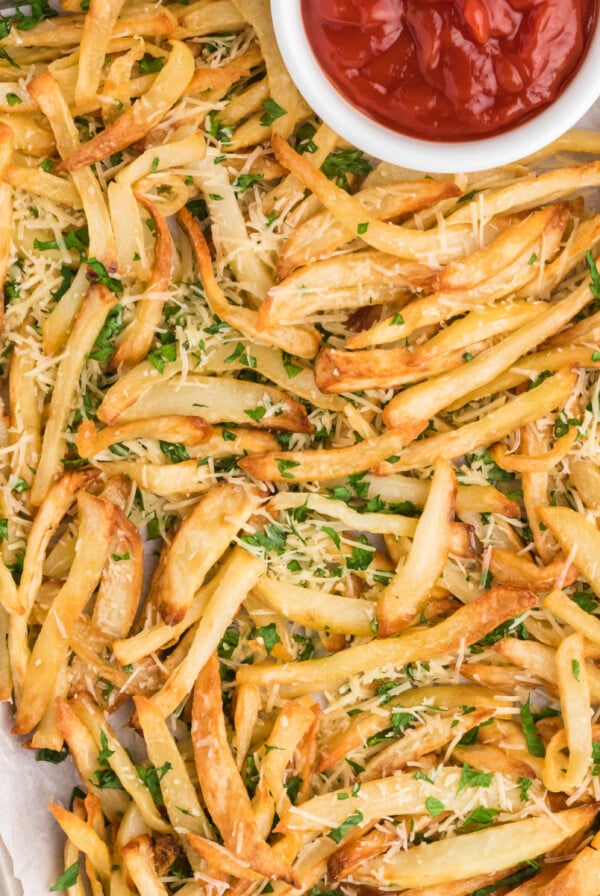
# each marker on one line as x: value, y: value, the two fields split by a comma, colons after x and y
x: 467, y: 625
x: 401, y: 600
x: 143, y: 116
x: 221, y: 784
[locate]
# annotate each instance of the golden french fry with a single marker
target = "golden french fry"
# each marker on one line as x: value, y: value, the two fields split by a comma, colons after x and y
x: 519, y: 572
x: 409, y: 589
x: 517, y: 412
x: 430, y: 398
x: 331, y: 284
x: 139, y: 862
x: 398, y: 794
x: 84, y: 751
x: 120, y: 590
x: 566, y: 609
x: 97, y: 27
x: 322, y: 234
x: 47, y: 93
x: 173, y: 428
x: 302, y: 342
x: 119, y: 761
x: 574, y: 691
x: 97, y: 304
x: 579, y: 539
x: 419, y: 741
x: 302, y: 466
x: 220, y: 400
x: 221, y: 785
x: 540, y: 661
x: 143, y: 116
x: 580, y: 876
x: 282, y: 89
x: 517, y: 463
x: 138, y: 336
x: 317, y: 609
x: 586, y: 476
x: 96, y: 522
x: 178, y: 791
x: 84, y: 837
x: 467, y: 625
x: 222, y: 860
x: 481, y: 852
x: 239, y: 574
x: 200, y: 541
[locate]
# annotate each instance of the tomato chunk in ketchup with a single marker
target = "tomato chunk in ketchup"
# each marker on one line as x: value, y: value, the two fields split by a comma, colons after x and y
x: 449, y: 69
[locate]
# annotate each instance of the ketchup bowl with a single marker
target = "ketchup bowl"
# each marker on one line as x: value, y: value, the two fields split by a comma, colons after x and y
x: 351, y: 108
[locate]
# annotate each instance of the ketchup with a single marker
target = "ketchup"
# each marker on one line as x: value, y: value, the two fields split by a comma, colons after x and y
x: 449, y: 69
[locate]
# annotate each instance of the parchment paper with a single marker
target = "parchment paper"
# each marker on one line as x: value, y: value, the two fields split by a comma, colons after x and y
x: 30, y: 840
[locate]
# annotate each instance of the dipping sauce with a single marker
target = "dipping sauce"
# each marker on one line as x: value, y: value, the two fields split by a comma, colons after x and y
x: 449, y: 69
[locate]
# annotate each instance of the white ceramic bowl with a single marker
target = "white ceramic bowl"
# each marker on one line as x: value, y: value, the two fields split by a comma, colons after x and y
x: 426, y: 155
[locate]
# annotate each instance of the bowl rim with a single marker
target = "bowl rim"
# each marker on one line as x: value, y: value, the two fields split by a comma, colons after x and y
x: 424, y: 155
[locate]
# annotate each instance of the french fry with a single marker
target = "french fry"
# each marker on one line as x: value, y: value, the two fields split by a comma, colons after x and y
x: 281, y: 86
x: 489, y: 758
x: 46, y: 92
x: 432, y: 397
x: 574, y: 694
x: 352, y: 854
x: 120, y: 590
x: 143, y: 116
x: 515, y: 463
x: 341, y: 371
x: 247, y: 708
x: 221, y: 399
x: 579, y: 876
x: 221, y: 785
x: 567, y: 610
x: 586, y: 476
x: 302, y: 342
x: 579, y: 539
x: 379, y: 523
x: 322, y: 234
x: 481, y: 852
x: 97, y: 27
x: 138, y: 336
x: 201, y: 540
x: 238, y: 576
x: 409, y: 589
x: 222, y: 860
x: 209, y: 18
x: 292, y: 724
x: 519, y: 572
x: 178, y: 791
x: 515, y: 413
x: 84, y: 837
x: 96, y: 522
x: 57, y: 503
x: 139, y: 861
x: 467, y: 625
x: 82, y: 748
x: 399, y: 794
x: 540, y: 661
x: 302, y: 466
x: 97, y: 304
x: 331, y: 284
x: 317, y: 609
x: 174, y: 428
x: 422, y: 740
x: 116, y: 758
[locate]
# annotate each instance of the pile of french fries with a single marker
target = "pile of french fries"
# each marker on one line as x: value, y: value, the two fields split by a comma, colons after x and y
x: 299, y: 472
